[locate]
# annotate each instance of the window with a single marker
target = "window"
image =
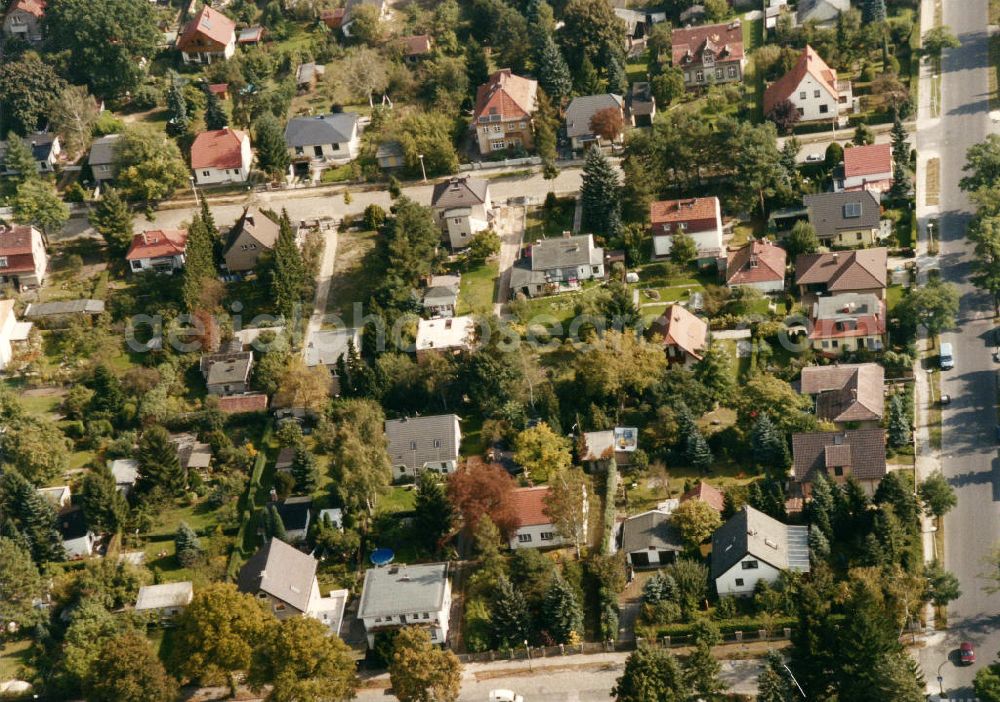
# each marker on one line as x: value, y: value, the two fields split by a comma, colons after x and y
x: 836, y: 344
x: 427, y: 615
x: 858, y: 236
x: 802, y: 95
x: 719, y: 73
x: 815, y: 93
x: 205, y: 173
x: 227, y: 171
x: 852, y: 210
x: 413, y: 445
x: 498, y: 129
x: 687, y: 76
x: 826, y: 344
x: 547, y: 536
x: 457, y: 220
x: 597, y: 270
x: 299, y: 151
x: 699, y: 76
x: 317, y: 150
x: 437, y: 443
x: 524, y: 538
x: 3, y: 261
x: 520, y: 125
x: 262, y: 595
x: 739, y: 582
x: 279, y: 607
x: 824, y: 108
x: 498, y: 145
x: 137, y: 265
x: 838, y: 471
x: 750, y: 565
x: 335, y: 147
x: 800, y: 111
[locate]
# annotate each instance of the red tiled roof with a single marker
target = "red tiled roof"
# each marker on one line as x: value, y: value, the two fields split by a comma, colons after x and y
x: 680, y: 328
x: 15, y: 240
x: 691, y: 41
x: 757, y: 262
x: 704, y: 492
x: 34, y: 7
x: 207, y: 24
x: 848, y: 393
x: 844, y: 271
x: 417, y: 45
x: 860, y: 450
x: 220, y: 148
x: 332, y: 18
x: 157, y: 243
x: 809, y: 63
x: 873, y: 159
x: 236, y: 404
x: 685, y: 210
x: 507, y: 95
x: 530, y: 507
x: 218, y: 88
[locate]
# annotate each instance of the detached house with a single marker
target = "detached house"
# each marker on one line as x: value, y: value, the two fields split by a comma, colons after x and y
x: 221, y: 156
x: 580, y: 115
x: 24, y: 20
x: 812, y: 87
x: 650, y: 540
x: 314, y: 142
x: 45, y: 149
x: 836, y: 272
x: 846, y: 219
x: 445, y: 335
x: 847, y: 322
x: 849, y: 394
x: 534, y: 526
x: 209, y: 36
x: 620, y: 442
x: 710, y: 495
x: 709, y: 54
x: 866, y: 168
x: 227, y: 373
x: 502, y: 116
x: 158, y: 250
x: 698, y: 217
x: 77, y: 539
x: 751, y: 547
x: 23, y: 260
x: 253, y: 235
x: 558, y: 264
x: 823, y: 13
x: 463, y: 208
x: 857, y: 453
x: 683, y: 335
x: 417, y: 444
x: 440, y: 297
x: 759, y: 264
x: 102, y: 158
x: 407, y: 595
x: 167, y: 600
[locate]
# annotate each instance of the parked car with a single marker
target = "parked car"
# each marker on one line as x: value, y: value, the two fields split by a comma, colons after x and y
x: 946, y: 357
x: 967, y: 653
x: 814, y: 158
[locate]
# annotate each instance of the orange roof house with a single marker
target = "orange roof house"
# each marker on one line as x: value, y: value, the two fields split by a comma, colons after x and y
x: 160, y: 250
x: 534, y: 525
x: 502, y: 116
x: 706, y: 493
x: 812, y: 87
x: 698, y: 217
x: 709, y: 54
x: 209, y: 36
x: 239, y: 404
x: 684, y: 336
x: 866, y: 168
x: 759, y: 264
x: 221, y: 156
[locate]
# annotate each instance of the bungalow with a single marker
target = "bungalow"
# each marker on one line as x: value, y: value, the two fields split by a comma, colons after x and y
x: 580, y: 120
x: 699, y: 217
x: 321, y: 140
x: 102, y: 158
x: 227, y: 373
x: 812, y: 87
x: 191, y: 453
x: 861, y: 271
x: 503, y: 113
x: 620, y: 442
x: 296, y: 515
x: 463, y: 208
x: 845, y: 219
x: 534, y: 526
x: 254, y: 234
x: 221, y: 156
x: 416, y: 48
x: 24, y: 20
x: 12, y: 332
x: 407, y: 595
x: 158, y: 250
x: 847, y: 322
x: 243, y: 404
x: 650, y: 540
x: 59, y: 497
x: 166, y: 600
x: 417, y: 444
x: 556, y: 265
x: 855, y: 453
x: 683, y: 335
x: 60, y: 311
x: 866, y: 168
x: 759, y: 264
x: 751, y: 547
x: 126, y: 473
x: 449, y: 334
x: 703, y: 492
x: 77, y: 539
x: 284, y: 578
x: 23, y: 260
x: 307, y: 75
x: 440, y: 297
x: 851, y: 394
x: 209, y: 36
x: 709, y: 54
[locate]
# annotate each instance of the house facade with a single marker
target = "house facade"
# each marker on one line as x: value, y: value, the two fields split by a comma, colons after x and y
x: 24, y: 20
x: 534, y: 526
x: 683, y: 335
x: 157, y: 250
x: 812, y: 87
x: 77, y: 539
x: 866, y: 168
x: 556, y: 265
x: 407, y: 595
x: 839, y: 455
x: 847, y: 322
x: 227, y: 373
x: 417, y: 444
x: 463, y: 208
x: 698, y: 217
x: 45, y: 149
x: 221, y: 156
x: 253, y: 235
x: 650, y: 540
x: 710, y: 54
x: 751, y: 547
x: 322, y: 140
x: 579, y: 120
x: 23, y: 260
x: 760, y: 264
x: 845, y: 219
x: 209, y: 36
x: 503, y: 113
x: 440, y: 297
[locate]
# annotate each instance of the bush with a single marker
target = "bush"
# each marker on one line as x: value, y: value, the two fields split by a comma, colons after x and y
x: 374, y: 217
x: 75, y: 193
x: 146, y: 97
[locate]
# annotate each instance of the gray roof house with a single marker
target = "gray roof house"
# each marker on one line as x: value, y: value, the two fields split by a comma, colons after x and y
x: 650, y: 540
x: 581, y: 111
x: 836, y: 216
x: 390, y: 155
x: 36, y: 310
x: 417, y: 444
x: 102, y: 157
x: 460, y: 191
x: 462, y: 205
x: 167, y: 599
x: 307, y: 74
x: 126, y: 472
x: 407, y: 595
x: 227, y: 373
x: 753, y: 546
x: 822, y: 12
x: 296, y: 515
x: 440, y: 296
x: 329, y: 138
x: 557, y: 264
x: 327, y: 345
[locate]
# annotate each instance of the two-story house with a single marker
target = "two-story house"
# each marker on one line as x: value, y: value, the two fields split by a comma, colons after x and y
x: 157, y: 250
x: 866, y: 168
x: 835, y: 272
x: 759, y: 264
x: 845, y: 219
x: 463, y: 208
x: 503, y: 113
x: 839, y: 455
x: 683, y: 335
x: 227, y: 373
x: 321, y: 140
x: 221, y: 156
x: 209, y: 36
x: 12, y: 332
x: 698, y: 217
x: 557, y: 264
x: 285, y: 579
x: 24, y: 20
x: 417, y: 444
x: 46, y: 150
x: 23, y: 260
x: 851, y: 394
x: 847, y: 322
x: 812, y: 87
x: 102, y: 158
x: 710, y: 54
x: 253, y: 235
x: 580, y: 120
x: 407, y: 595
x: 753, y: 546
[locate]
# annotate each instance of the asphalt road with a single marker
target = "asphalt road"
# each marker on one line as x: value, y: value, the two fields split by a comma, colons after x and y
x: 969, y: 445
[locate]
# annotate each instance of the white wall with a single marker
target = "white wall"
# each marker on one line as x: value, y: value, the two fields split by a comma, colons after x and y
x: 859, y: 181
x: 534, y: 532
x: 811, y: 105
x: 726, y: 583
x: 437, y: 624
x: 80, y: 548
x: 344, y: 152
x: 146, y: 264
x: 772, y: 286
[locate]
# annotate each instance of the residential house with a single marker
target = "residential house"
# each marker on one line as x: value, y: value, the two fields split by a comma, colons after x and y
x: 327, y: 346
x: 158, y: 250
x: 823, y: 13
x: 698, y: 217
x: 307, y: 75
x: 866, y: 168
x: 102, y: 158
x: 650, y: 540
x: 846, y: 219
x: 848, y: 322
x: 12, y: 332
x: 45, y: 149
x: 839, y: 455
x: 774, y: 10
x: 332, y: 18
x: 416, y: 48
x: 77, y: 539
x: 209, y: 36
x: 166, y: 600
x: 440, y: 297
x: 296, y: 515
x: 191, y: 453
x: 417, y: 444
x: 59, y: 497
x: 753, y: 546
x: 760, y: 264
x: 835, y: 272
x: 286, y: 456
x: 322, y: 140
x: 851, y: 394
x: 580, y: 115
x: 407, y: 595
x: 221, y: 156
x: 62, y: 310
x: 683, y: 335
x: 463, y: 208
x: 250, y: 36
x: 620, y: 442
x: 126, y: 473
x: 812, y: 87
x: 534, y: 526
x: 703, y: 492
x: 23, y: 260
x: 390, y: 155
x: 219, y: 90
x: 227, y: 373
x: 641, y: 105
x: 709, y: 54
x: 448, y: 334
x: 253, y: 235
x: 285, y: 578
x: 243, y: 404
x: 350, y: 9
x: 24, y: 20
x: 556, y: 265
x: 502, y: 116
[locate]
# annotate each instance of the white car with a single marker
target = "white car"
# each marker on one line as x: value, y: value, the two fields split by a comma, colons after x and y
x: 814, y: 158
x: 504, y: 696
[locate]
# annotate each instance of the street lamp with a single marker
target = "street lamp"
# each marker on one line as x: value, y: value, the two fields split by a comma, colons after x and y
x: 940, y: 678
x: 194, y: 190
x: 422, y: 169
x: 528, y: 651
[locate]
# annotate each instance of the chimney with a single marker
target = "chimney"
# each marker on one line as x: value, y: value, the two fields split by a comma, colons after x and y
x: 836, y: 256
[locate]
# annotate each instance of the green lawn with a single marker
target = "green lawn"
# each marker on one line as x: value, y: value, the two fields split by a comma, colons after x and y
x: 352, y: 275
x: 893, y: 296
x: 561, y: 307
x: 43, y: 405
x: 14, y: 660
x: 161, y: 538
x: 399, y: 498
x: 753, y: 34
x: 636, y: 69
x: 478, y: 289
x: 541, y: 224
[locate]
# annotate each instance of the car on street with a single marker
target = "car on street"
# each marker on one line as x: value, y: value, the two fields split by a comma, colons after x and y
x: 505, y: 696
x: 966, y: 653
x: 814, y: 158
x: 946, y: 357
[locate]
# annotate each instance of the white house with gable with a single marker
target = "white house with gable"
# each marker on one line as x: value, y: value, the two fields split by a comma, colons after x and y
x: 752, y: 546
x: 407, y: 595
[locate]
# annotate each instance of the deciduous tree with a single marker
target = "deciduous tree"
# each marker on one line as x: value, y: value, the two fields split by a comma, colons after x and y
x: 801, y: 240
x: 73, y: 116
x: 30, y: 88
x: 38, y: 203
x: 150, y: 166
x: 936, y: 40
x: 421, y: 672
x: 937, y: 495
x: 696, y: 521
x: 933, y: 305
x: 784, y: 115
x: 127, y: 670
x: 360, y: 458
x: 479, y: 489
x: 566, y: 505
x: 541, y: 451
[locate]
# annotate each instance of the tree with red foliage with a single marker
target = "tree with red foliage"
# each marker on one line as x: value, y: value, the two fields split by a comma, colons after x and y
x: 479, y: 488
x: 785, y: 115
x: 607, y: 123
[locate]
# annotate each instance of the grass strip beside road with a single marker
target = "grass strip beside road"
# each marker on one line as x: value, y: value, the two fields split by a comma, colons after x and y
x: 994, y: 72
x: 933, y: 182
